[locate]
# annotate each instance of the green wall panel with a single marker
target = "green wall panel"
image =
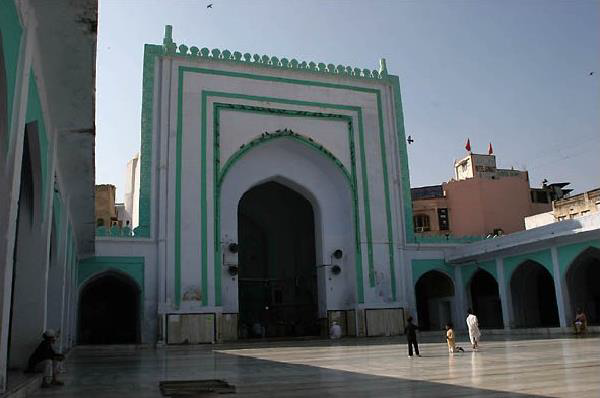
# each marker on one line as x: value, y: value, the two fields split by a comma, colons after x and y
x: 568, y: 253
x: 420, y: 267
x: 543, y: 257
x: 11, y: 30
x: 467, y: 271
x: 132, y: 266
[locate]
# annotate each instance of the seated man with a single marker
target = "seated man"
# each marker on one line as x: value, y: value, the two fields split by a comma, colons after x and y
x: 45, y: 359
x: 580, y: 322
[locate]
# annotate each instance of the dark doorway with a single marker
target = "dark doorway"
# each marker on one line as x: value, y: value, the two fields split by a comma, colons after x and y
x: 435, y: 293
x: 485, y: 300
x: 583, y: 284
x: 533, y: 296
x: 109, y: 310
x: 277, y: 273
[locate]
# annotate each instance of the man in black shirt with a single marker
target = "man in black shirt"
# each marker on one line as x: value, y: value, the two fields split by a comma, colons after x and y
x: 411, y: 337
x: 45, y: 359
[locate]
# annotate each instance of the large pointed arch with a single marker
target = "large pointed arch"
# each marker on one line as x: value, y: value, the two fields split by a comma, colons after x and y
x: 308, y: 169
x: 533, y: 296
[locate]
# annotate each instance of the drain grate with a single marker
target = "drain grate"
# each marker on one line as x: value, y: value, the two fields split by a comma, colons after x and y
x: 195, y: 388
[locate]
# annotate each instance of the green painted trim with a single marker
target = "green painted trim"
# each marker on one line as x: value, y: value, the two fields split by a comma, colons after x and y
x: 203, y: 202
x: 277, y: 100
x: 269, y: 62
x: 542, y: 257
x: 179, y: 143
x: 403, y: 151
x: 422, y: 266
x: 11, y: 33
x: 219, y: 174
x: 568, y: 253
x: 35, y: 113
x: 388, y: 209
x: 150, y: 54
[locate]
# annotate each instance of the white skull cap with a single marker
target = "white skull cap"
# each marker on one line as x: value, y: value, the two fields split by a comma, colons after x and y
x: 50, y: 333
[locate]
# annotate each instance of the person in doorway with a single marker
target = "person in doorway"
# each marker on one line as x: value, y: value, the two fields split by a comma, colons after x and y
x: 580, y: 322
x: 45, y: 359
x: 474, y: 333
x: 450, y: 339
x: 335, y: 332
x: 411, y: 337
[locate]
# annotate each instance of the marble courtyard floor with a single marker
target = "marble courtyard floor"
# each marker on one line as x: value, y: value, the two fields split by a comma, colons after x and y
x: 372, y: 367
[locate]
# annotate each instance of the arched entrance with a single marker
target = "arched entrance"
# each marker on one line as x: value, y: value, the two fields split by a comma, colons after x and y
x: 533, y: 296
x: 277, y: 274
x: 583, y: 277
x: 296, y: 166
x: 485, y: 300
x: 435, y: 295
x: 109, y: 310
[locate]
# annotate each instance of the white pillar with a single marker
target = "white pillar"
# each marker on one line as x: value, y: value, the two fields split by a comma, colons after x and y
x: 558, y: 289
x: 504, y: 291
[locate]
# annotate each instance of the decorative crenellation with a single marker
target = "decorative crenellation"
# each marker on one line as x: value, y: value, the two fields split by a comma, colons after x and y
x: 171, y: 48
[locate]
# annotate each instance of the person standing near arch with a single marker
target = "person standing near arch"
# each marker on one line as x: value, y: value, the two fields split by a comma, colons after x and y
x: 474, y: 333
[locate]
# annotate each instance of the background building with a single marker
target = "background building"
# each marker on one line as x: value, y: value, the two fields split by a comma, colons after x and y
x: 567, y: 208
x: 481, y: 200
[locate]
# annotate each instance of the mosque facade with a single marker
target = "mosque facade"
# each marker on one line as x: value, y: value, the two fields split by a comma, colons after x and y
x: 274, y: 199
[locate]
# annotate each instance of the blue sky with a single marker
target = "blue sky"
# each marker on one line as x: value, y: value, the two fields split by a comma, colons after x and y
x: 515, y: 73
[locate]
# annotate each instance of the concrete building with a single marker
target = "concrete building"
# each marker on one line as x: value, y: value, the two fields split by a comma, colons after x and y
x: 480, y: 200
x: 47, y: 85
x: 567, y: 208
x: 106, y: 212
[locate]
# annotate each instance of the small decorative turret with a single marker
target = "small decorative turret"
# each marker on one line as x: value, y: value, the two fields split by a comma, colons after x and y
x: 382, y: 67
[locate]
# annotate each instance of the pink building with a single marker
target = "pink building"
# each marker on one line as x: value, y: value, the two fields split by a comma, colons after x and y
x: 480, y: 200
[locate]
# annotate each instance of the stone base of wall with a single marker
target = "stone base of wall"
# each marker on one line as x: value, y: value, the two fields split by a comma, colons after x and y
x: 384, y: 322
x: 190, y: 328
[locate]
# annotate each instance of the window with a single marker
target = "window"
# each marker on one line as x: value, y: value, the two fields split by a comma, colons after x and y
x: 538, y: 196
x: 421, y: 222
x: 584, y: 213
x: 443, y: 221
x: 561, y: 218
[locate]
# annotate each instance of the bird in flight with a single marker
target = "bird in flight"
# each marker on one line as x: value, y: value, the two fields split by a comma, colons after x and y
x: 410, y: 140
x: 209, y: 6
x: 591, y: 73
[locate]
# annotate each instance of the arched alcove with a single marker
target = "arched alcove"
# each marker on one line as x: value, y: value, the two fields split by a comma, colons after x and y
x: 29, y: 259
x: 109, y: 310
x: 583, y: 284
x: 533, y: 296
x: 435, y: 294
x: 277, y: 275
x: 485, y: 299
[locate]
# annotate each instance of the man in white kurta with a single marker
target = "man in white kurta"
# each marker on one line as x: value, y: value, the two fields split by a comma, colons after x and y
x: 473, y: 325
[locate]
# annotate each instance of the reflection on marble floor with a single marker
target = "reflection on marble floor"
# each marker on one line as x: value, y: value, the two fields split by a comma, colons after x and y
x: 346, y: 368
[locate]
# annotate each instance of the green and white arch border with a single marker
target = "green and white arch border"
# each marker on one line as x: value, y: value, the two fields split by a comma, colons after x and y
x: 220, y: 173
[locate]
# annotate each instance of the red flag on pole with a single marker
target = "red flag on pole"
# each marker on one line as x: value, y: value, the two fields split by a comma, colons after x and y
x: 490, y: 149
x: 468, y: 146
